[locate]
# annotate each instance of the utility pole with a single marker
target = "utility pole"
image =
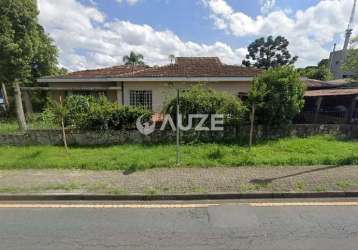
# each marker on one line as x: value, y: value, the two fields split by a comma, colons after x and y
x: 349, y: 31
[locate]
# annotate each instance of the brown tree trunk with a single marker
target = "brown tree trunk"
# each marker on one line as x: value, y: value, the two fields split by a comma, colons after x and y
x: 63, y: 128
x: 19, y: 108
x: 252, y: 120
x: 64, y: 134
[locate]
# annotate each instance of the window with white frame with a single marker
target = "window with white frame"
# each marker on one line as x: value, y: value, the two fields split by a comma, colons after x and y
x: 141, y: 98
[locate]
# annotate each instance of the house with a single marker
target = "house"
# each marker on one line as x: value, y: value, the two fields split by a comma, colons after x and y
x: 152, y: 86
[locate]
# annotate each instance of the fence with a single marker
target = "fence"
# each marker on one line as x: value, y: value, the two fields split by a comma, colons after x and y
x: 76, y: 137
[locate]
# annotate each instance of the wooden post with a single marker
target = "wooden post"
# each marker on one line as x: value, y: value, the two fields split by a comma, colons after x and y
x: 4, y: 95
x: 318, y: 107
x: 252, y: 120
x: 27, y: 102
x: 19, y: 108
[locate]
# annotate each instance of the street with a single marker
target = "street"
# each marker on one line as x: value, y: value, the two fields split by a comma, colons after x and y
x: 173, y: 225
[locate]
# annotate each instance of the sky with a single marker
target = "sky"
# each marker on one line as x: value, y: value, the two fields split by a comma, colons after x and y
x: 98, y: 33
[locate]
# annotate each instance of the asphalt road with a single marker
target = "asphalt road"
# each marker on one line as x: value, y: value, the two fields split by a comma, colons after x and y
x: 221, y: 226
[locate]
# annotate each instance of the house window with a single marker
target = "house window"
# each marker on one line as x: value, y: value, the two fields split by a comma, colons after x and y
x: 141, y: 98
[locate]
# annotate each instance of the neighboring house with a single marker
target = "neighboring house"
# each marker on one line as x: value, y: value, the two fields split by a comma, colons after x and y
x: 152, y: 86
x: 333, y: 102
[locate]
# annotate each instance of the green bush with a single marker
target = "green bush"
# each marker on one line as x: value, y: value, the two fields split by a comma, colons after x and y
x: 91, y: 113
x: 125, y: 117
x: 201, y: 100
x: 78, y: 110
x: 279, y: 96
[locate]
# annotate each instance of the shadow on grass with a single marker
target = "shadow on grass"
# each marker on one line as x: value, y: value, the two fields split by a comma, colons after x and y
x: 131, y: 169
x: 270, y: 180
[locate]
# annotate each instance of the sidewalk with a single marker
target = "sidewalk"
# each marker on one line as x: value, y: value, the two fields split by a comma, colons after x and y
x: 183, y: 180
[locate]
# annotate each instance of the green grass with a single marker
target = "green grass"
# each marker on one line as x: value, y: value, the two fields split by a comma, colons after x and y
x: 34, y: 121
x: 8, y: 126
x: 318, y: 150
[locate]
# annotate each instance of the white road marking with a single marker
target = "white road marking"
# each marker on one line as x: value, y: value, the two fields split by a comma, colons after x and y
x: 301, y: 204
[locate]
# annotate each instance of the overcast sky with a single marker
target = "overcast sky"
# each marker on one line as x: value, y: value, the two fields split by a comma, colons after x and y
x: 98, y: 33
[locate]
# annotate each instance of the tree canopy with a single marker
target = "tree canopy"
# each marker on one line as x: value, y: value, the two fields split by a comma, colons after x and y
x: 278, y: 95
x: 26, y: 51
x: 319, y: 72
x: 134, y: 59
x: 269, y: 53
x: 351, y: 63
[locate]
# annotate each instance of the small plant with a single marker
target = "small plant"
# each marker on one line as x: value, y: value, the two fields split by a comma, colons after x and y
x: 151, y: 191
x: 216, y: 154
x: 344, y: 185
x: 300, y: 186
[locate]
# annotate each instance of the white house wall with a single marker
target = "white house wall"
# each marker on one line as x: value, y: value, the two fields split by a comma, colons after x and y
x: 161, y: 91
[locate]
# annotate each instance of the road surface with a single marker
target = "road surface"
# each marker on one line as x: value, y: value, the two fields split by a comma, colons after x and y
x: 212, y: 225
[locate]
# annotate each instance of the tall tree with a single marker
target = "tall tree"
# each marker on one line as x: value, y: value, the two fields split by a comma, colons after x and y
x: 278, y: 95
x: 269, y: 53
x: 319, y: 72
x: 351, y: 63
x: 134, y: 59
x: 26, y: 52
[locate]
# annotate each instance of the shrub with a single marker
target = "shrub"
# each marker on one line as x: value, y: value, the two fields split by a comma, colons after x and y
x: 278, y: 95
x: 125, y: 117
x: 78, y: 110
x: 91, y: 113
x: 100, y: 114
x: 201, y: 100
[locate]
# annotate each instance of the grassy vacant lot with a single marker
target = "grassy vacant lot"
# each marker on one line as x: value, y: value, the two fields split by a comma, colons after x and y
x: 319, y: 150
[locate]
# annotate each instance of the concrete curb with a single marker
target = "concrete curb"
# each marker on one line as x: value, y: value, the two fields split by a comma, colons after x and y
x: 179, y: 197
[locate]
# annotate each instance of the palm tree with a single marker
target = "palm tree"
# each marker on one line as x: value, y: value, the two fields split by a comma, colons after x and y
x: 133, y: 59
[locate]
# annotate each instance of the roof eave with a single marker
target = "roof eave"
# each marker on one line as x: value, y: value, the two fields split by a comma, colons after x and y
x: 148, y: 79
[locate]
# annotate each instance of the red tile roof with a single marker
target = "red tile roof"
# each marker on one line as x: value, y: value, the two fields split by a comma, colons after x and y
x: 183, y: 67
x: 115, y: 71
